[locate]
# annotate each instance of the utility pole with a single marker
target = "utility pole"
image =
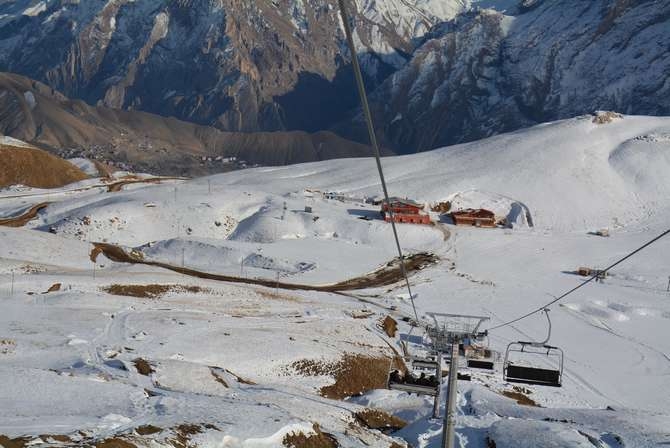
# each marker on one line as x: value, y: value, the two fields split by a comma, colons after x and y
x: 209, y: 186
x: 449, y: 426
x: 668, y: 288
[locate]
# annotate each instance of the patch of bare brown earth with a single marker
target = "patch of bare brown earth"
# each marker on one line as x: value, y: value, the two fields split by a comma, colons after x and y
x: 53, y: 288
x: 377, y: 419
x: 390, y: 326
x: 145, y: 430
x: 355, y: 375
x: 319, y: 439
x: 25, y: 217
x: 143, y: 367
x: 520, y: 394
x: 149, y: 291
x: 18, y: 442
x: 35, y: 168
x: 183, y: 435
x: 114, y: 442
x: 605, y: 117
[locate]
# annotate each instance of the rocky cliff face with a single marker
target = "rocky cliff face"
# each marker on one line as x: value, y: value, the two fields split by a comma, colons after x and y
x: 237, y: 64
x: 487, y: 72
x: 441, y: 71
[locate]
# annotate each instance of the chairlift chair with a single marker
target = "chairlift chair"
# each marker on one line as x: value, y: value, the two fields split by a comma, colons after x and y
x: 423, y: 376
x: 515, y: 373
x: 480, y: 364
x: 423, y: 384
x: 480, y: 356
x: 422, y: 363
x: 413, y: 385
x: 521, y: 373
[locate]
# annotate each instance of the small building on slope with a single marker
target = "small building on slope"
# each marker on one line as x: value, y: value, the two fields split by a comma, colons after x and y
x: 404, y: 211
x: 474, y: 217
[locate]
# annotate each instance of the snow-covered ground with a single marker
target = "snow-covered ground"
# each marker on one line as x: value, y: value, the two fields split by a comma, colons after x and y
x: 67, y: 355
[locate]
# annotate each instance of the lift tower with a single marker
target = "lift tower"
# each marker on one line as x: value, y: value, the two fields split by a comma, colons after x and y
x: 447, y: 332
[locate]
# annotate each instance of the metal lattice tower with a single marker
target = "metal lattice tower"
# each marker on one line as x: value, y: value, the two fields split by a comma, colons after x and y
x: 446, y: 333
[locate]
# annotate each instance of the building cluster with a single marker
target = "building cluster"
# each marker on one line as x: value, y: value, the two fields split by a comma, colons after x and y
x: 408, y: 211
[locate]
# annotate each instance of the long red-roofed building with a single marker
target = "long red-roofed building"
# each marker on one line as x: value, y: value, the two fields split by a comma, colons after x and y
x: 404, y: 211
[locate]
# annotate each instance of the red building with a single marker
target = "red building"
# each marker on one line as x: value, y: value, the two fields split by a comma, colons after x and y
x: 470, y: 217
x: 404, y: 211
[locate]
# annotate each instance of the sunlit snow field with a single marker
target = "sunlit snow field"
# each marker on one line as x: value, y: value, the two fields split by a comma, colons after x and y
x: 66, y: 357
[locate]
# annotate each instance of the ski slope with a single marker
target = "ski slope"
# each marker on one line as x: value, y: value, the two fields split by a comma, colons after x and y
x: 67, y: 355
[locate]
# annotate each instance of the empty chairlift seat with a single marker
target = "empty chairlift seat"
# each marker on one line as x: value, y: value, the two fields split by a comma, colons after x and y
x: 533, y: 375
x: 527, y: 368
x: 480, y: 364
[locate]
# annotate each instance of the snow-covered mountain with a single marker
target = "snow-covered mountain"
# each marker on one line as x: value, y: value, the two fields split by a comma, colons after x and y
x: 142, y: 311
x: 452, y: 70
x: 242, y: 65
x: 488, y: 71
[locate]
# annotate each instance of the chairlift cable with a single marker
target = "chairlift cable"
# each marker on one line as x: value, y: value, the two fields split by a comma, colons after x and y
x: 373, y: 141
x: 584, y: 283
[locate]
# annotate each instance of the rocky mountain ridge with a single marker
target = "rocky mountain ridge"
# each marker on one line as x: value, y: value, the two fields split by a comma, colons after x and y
x: 139, y: 141
x: 489, y: 72
x: 439, y: 71
x: 236, y: 64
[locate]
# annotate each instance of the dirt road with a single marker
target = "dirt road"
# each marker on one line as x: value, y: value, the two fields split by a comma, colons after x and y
x: 23, y: 219
x: 385, y: 275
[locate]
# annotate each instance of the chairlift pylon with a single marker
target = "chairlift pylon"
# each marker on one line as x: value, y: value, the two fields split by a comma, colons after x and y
x: 423, y: 375
x: 516, y: 373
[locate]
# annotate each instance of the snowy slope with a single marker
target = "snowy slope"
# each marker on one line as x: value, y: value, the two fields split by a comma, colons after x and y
x: 572, y: 175
x: 68, y: 355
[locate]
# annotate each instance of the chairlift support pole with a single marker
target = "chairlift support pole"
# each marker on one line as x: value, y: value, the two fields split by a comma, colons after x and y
x: 449, y: 426
x: 447, y: 333
x: 436, y: 401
